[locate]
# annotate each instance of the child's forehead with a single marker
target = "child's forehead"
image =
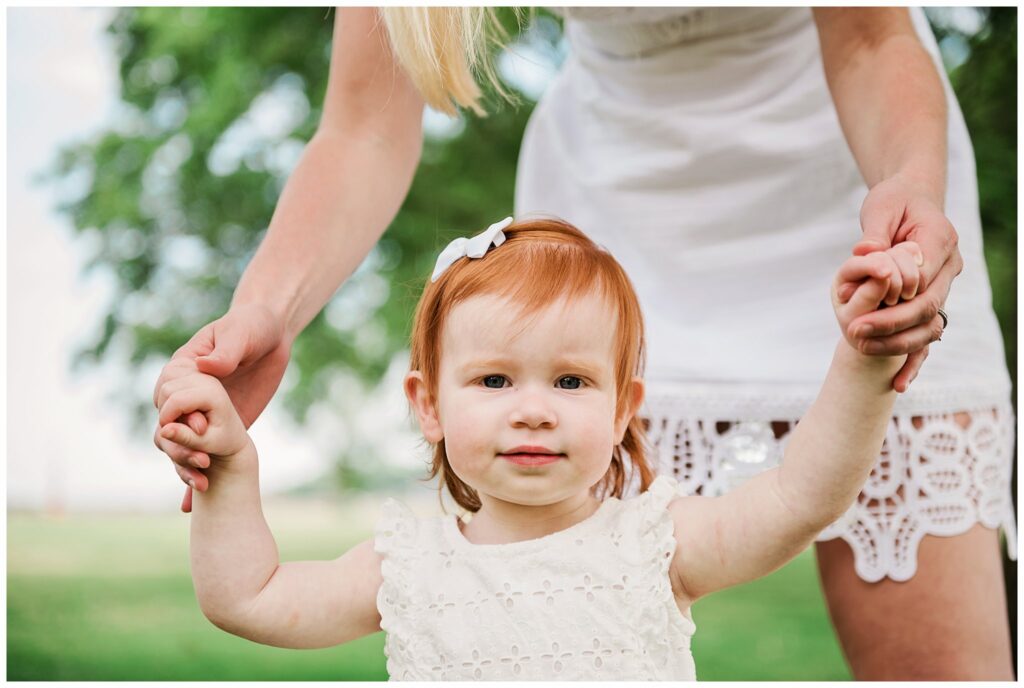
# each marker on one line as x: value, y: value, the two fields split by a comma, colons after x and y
x: 488, y: 324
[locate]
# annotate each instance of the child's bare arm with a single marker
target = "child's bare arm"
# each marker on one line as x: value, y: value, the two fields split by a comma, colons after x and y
x: 762, y: 524
x: 240, y: 583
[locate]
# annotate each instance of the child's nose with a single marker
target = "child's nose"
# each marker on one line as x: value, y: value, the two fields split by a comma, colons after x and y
x: 533, y: 410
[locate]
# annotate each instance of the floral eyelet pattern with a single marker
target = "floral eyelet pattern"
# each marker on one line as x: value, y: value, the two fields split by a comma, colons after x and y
x: 542, y: 609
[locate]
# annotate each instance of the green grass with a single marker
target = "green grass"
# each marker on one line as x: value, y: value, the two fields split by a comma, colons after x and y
x: 110, y: 598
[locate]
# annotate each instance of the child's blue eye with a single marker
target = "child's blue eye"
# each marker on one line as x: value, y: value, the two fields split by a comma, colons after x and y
x: 579, y: 382
x: 491, y: 378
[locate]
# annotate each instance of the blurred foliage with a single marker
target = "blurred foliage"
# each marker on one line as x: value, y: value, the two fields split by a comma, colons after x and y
x: 176, y: 195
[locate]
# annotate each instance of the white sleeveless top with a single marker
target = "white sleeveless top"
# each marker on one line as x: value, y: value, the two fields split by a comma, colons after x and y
x: 593, y: 601
x: 701, y: 147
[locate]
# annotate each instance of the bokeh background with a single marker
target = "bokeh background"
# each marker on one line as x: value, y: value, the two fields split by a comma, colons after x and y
x: 146, y: 150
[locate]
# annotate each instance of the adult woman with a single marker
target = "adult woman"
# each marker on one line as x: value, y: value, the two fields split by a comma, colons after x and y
x: 693, y: 144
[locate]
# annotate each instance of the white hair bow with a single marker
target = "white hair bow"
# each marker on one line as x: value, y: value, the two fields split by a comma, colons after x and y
x: 470, y: 248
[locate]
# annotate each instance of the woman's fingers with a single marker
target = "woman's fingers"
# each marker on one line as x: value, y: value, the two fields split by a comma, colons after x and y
x: 906, y: 374
x: 186, y: 501
x: 938, y: 242
x: 904, y: 342
x: 192, y: 477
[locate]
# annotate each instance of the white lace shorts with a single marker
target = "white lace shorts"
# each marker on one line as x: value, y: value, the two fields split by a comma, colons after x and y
x: 933, y: 477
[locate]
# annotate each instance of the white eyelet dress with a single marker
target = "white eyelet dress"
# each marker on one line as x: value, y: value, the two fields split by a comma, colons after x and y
x: 702, y: 149
x: 591, y: 602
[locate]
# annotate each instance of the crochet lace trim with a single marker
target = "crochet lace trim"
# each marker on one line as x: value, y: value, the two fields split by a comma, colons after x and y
x: 933, y: 477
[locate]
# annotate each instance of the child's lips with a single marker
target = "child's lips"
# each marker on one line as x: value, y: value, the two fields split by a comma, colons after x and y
x: 531, y: 458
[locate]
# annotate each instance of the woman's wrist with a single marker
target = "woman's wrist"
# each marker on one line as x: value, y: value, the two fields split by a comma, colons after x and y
x: 277, y: 306
x: 927, y: 180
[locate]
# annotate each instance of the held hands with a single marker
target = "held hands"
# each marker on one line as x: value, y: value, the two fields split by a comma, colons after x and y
x: 224, y: 434
x: 895, y: 211
x: 248, y: 351
x: 881, y: 277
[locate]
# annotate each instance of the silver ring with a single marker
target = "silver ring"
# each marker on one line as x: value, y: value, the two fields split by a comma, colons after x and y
x: 945, y: 319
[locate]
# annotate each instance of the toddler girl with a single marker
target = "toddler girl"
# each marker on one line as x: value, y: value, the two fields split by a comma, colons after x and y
x: 527, y: 356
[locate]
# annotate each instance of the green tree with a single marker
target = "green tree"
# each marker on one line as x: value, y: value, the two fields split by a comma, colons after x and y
x: 180, y: 189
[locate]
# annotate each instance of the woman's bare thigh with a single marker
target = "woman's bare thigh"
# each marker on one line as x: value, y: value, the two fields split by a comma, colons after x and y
x: 948, y: 622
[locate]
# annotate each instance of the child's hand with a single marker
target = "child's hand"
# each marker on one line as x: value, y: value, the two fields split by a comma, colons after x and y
x: 225, y: 434
x: 883, y: 277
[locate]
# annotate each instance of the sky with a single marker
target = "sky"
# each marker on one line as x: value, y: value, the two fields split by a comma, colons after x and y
x: 68, y: 444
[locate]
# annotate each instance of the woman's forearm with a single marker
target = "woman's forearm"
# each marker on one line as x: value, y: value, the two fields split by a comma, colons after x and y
x: 888, y: 96
x: 233, y: 553
x: 343, y: 194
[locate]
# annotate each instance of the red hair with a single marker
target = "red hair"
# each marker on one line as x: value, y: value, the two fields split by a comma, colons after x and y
x: 539, y: 262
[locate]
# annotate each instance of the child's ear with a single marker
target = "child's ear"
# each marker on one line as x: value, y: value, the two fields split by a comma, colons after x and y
x: 419, y: 398
x: 636, y: 398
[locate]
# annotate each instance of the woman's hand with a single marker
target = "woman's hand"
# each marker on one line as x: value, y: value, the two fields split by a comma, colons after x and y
x: 894, y: 212
x: 247, y: 350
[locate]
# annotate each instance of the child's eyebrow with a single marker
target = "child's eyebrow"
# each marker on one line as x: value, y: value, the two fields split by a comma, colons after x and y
x: 487, y: 363
x: 586, y: 365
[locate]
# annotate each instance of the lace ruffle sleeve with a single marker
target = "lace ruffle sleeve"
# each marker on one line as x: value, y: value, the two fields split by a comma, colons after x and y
x: 656, y: 527
x: 395, y: 539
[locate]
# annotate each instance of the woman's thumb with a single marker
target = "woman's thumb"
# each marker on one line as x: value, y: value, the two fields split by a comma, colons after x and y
x: 228, y: 350
x: 879, y: 220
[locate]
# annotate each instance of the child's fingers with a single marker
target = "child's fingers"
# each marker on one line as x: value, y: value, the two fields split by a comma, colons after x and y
x: 175, y: 369
x: 892, y: 295
x: 180, y: 454
x: 181, y: 434
x: 908, y: 259
x: 184, y: 401
x: 165, y: 390
x: 867, y: 298
x: 845, y: 290
x: 197, y: 421
x: 909, y: 272
x: 877, y: 265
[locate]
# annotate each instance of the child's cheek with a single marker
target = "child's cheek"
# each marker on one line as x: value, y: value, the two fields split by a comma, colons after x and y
x: 469, y: 439
x: 595, y: 440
